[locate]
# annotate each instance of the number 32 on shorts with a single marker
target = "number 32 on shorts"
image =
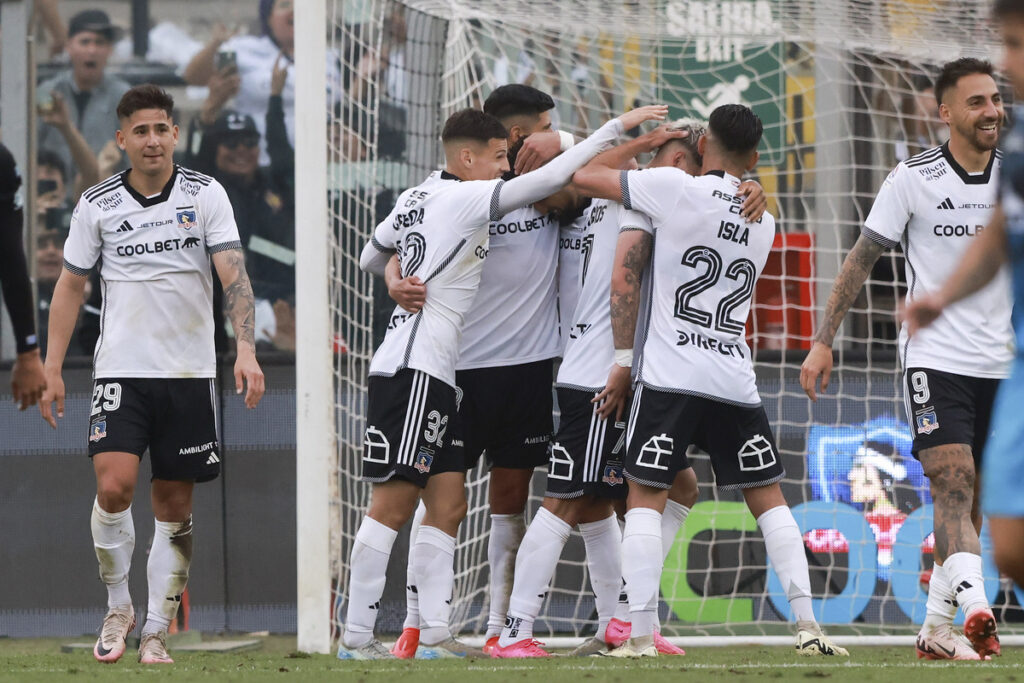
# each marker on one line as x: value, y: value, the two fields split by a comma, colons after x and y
x: 106, y: 397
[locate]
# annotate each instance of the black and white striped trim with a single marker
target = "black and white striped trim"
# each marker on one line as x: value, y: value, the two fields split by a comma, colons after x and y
x: 624, y: 188
x: 446, y: 261
x: 380, y: 247
x: 496, y: 213
x: 648, y: 482
x: 634, y: 412
x: 595, y: 446
x: 413, y: 418
x: 701, y: 394
x: 195, y: 176
x: 96, y: 191
x: 75, y: 270
x: 929, y: 156
x: 223, y: 246
x: 750, y: 484
x: 879, y: 239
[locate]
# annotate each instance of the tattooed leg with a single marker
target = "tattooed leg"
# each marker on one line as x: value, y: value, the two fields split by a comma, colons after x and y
x: 950, y: 471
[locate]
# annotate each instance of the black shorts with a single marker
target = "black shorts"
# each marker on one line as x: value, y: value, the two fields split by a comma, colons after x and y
x: 944, y: 408
x: 663, y: 424
x: 408, y: 420
x: 587, y: 454
x: 506, y: 411
x: 176, y: 419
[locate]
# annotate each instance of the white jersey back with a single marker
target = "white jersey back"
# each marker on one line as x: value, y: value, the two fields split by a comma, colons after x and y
x: 934, y: 208
x: 514, y: 318
x: 570, y: 242
x: 706, y: 261
x: 157, y: 318
x: 439, y: 230
x: 590, y: 352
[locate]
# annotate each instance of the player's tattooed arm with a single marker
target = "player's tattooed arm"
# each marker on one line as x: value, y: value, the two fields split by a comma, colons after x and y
x: 239, y: 302
x: 631, y: 258
x: 855, y: 270
x: 849, y: 282
x: 240, y: 305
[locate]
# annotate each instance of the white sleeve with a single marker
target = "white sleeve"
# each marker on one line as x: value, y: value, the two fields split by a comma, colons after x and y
x: 891, y: 210
x: 634, y: 220
x: 379, y: 248
x: 653, y: 191
x: 219, y: 226
x: 545, y: 181
x: 82, y: 247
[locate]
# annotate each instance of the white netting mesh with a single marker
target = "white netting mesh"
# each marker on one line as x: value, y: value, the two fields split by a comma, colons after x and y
x: 844, y: 90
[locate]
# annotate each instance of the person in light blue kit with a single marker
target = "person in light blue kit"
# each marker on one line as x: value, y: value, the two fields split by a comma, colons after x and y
x: 1001, y: 243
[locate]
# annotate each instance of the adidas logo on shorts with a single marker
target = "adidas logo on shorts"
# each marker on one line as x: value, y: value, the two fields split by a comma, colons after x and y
x: 213, y: 459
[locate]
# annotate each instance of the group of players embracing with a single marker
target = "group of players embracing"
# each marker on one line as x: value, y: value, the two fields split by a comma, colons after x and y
x: 471, y: 255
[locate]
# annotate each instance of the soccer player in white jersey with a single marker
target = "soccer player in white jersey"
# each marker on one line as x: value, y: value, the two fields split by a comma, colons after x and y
x: 934, y: 205
x: 585, y: 470
x: 439, y: 230
x: 156, y: 226
x: 695, y: 381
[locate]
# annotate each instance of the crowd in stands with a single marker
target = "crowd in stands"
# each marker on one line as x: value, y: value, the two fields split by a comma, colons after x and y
x: 242, y: 134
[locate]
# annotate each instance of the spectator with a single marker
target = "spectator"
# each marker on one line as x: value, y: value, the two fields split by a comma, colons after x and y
x: 53, y: 210
x: 264, y: 212
x: 255, y: 57
x: 49, y: 262
x: 82, y: 101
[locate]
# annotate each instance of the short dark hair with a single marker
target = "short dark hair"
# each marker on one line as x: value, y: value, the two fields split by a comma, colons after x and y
x: 472, y: 124
x: 736, y: 128
x: 953, y: 71
x: 145, y: 96
x: 49, y: 158
x: 1005, y: 8
x: 516, y: 99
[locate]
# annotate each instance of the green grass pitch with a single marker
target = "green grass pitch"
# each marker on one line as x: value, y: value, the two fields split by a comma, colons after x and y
x: 41, y: 660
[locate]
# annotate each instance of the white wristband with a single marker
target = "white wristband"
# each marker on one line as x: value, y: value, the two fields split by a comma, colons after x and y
x: 624, y: 358
x: 567, y: 140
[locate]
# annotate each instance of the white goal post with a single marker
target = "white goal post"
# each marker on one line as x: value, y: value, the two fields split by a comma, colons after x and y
x: 844, y: 90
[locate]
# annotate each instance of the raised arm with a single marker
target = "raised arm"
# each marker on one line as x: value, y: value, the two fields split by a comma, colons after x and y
x: 67, y: 298
x: 980, y: 264
x: 855, y: 271
x: 240, y: 306
x: 531, y: 187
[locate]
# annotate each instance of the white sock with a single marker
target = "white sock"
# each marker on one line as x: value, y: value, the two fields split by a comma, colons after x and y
x: 671, y: 522
x: 506, y: 534
x: 535, y: 564
x: 603, y: 541
x: 412, y: 597
x: 785, y: 548
x: 167, y: 572
x: 113, y: 535
x: 622, y: 609
x: 433, y: 561
x: 369, y: 565
x: 965, y: 578
x: 941, y: 605
x: 641, y: 567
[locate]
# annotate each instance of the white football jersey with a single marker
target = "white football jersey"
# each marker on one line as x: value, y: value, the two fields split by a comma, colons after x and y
x: 590, y: 353
x: 706, y: 261
x: 934, y: 208
x: 439, y: 229
x: 570, y: 242
x: 157, y: 317
x: 514, y: 318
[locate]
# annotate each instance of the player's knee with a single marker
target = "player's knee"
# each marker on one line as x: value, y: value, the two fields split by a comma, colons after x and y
x: 684, y: 488
x: 114, y: 494
x: 1009, y: 559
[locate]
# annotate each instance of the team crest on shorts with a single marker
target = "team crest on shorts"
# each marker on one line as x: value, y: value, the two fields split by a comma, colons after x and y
x: 186, y: 219
x: 97, y: 430
x: 423, y: 461
x: 927, y: 421
x: 613, y: 474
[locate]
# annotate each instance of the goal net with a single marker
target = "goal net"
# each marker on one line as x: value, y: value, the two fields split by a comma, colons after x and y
x: 844, y: 91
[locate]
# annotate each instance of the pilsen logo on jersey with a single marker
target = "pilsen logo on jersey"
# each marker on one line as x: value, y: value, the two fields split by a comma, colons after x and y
x: 927, y: 421
x: 186, y: 217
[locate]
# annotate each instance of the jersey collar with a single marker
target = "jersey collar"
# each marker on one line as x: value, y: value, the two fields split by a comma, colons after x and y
x: 979, y: 179
x: 717, y: 172
x: 147, y: 202
x: 445, y: 175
